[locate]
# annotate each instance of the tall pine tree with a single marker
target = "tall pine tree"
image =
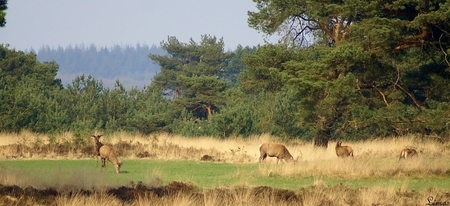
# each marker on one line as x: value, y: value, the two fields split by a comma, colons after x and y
x: 192, y: 74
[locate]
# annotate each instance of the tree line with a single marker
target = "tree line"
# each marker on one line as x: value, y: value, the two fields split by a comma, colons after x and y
x: 374, y: 69
x: 128, y: 63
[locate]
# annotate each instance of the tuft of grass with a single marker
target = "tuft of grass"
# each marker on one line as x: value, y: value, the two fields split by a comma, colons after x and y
x: 99, y: 198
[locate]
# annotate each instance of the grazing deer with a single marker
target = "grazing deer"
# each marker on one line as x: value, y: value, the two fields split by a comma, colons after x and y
x: 343, y: 151
x: 97, y: 145
x: 275, y: 150
x: 408, y: 153
x: 107, y: 154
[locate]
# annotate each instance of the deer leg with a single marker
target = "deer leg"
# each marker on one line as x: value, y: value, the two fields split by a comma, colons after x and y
x: 103, y: 164
x: 262, y: 157
x: 106, y: 165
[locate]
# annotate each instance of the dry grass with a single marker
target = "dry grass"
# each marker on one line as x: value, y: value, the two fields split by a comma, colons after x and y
x: 98, y: 199
x: 373, y: 158
x: 165, y: 146
x: 241, y: 195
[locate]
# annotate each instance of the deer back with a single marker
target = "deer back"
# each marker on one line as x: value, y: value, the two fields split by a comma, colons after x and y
x: 108, y: 154
x: 275, y: 150
x: 408, y: 153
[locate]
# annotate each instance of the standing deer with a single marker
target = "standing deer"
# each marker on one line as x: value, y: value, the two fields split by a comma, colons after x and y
x: 408, y: 153
x: 97, y: 145
x: 343, y: 151
x: 275, y: 150
x: 107, y: 154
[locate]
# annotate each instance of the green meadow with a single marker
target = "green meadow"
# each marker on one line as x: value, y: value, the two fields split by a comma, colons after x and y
x: 85, y: 174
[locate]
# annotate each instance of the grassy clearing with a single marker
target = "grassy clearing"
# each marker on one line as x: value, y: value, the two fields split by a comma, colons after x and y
x: 376, y: 158
x: 218, y: 184
x: 232, y: 176
x: 84, y: 174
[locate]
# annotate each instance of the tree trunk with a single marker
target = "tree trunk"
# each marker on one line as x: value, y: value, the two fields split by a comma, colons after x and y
x: 209, y: 109
x: 326, y: 128
x: 321, y: 139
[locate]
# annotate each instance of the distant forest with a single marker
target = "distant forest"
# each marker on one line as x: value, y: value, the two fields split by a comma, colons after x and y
x: 129, y: 64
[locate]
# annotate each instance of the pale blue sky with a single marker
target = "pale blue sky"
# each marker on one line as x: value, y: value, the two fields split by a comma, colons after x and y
x: 33, y: 24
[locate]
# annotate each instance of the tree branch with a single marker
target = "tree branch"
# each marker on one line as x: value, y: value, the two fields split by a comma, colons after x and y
x: 409, y: 45
x: 382, y: 95
x: 407, y: 93
x: 443, y: 51
x: 414, y: 41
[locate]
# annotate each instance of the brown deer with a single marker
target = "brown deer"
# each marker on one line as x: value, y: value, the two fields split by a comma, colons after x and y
x: 107, y: 154
x: 275, y: 150
x: 408, y: 153
x: 97, y: 145
x: 343, y: 151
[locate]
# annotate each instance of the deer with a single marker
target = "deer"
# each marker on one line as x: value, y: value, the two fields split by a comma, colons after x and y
x: 108, y: 154
x: 97, y: 145
x: 343, y: 151
x: 408, y: 153
x: 275, y: 150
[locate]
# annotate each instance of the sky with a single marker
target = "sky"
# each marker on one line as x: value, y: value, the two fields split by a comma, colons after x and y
x: 105, y: 23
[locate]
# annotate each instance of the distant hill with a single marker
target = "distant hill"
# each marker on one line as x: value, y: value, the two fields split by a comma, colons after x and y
x: 129, y: 64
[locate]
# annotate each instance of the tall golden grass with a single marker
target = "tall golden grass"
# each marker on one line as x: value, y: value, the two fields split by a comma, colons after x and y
x: 312, y: 196
x: 372, y: 158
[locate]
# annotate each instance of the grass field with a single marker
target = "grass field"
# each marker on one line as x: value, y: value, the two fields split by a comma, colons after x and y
x: 374, y: 176
x: 84, y: 174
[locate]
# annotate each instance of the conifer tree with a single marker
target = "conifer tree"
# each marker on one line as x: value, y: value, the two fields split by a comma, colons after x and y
x: 192, y: 73
x: 370, y: 67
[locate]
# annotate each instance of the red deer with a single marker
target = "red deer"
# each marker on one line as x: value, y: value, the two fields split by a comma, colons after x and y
x: 408, y: 153
x: 107, y: 154
x: 275, y: 150
x: 97, y: 145
x: 343, y: 151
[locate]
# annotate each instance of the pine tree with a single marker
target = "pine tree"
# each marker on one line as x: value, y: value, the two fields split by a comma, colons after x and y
x: 192, y: 73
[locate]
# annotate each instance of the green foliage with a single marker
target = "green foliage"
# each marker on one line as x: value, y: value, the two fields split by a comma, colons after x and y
x: 236, y: 64
x: 192, y: 71
x: 265, y: 69
x: 371, y: 68
x: 374, y: 68
x: 27, y: 89
x: 151, y: 112
x: 3, y: 7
